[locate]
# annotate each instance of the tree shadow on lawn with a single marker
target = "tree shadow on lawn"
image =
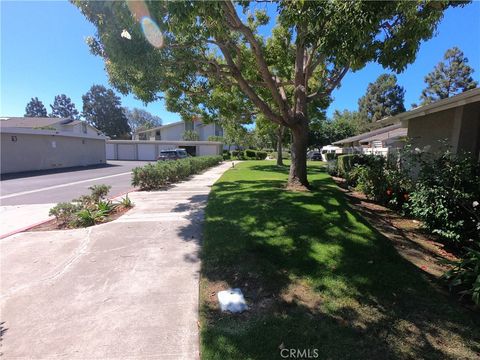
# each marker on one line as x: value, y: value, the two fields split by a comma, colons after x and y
x: 284, y: 249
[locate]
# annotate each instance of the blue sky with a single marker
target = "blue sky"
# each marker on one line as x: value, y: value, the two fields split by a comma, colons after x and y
x: 43, y: 54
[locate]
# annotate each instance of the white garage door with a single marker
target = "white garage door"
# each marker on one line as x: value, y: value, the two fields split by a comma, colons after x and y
x: 126, y: 152
x: 146, y: 151
x: 110, y: 151
x: 207, y: 150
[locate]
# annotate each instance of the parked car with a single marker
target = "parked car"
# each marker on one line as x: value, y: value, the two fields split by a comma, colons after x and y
x: 316, y: 156
x: 172, y: 154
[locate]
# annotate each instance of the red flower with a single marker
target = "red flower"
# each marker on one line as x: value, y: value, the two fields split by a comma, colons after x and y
x: 406, y: 197
x: 389, y: 192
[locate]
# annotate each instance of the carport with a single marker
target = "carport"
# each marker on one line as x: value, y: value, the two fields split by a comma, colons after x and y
x: 149, y: 150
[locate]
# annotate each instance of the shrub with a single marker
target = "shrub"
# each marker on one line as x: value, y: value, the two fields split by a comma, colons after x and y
x: 99, y: 192
x: 346, y: 163
x: 285, y: 155
x: 226, y: 155
x: 87, y: 217
x: 215, y: 138
x: 238, y: 154
x: 261, y: 155
x: 126, y: 202
x: 250, y: 154
x: 442, y: 199
x: 156, y: 176
x: 464, y: 278
x: 332, y: 168
x: 65, y: 212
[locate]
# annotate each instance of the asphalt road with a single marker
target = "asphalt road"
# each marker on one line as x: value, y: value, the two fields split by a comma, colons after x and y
x: 55, y: 186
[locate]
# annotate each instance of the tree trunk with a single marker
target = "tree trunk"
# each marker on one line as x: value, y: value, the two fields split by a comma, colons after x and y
x: 279, y: 146
x: 297, y: 179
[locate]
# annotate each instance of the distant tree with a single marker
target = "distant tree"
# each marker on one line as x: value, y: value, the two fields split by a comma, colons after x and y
x: 343, y: 124
x: 102, y: 109
x: 139, y: 119
x: 272, y: 134
x: 35, y: 108
x: 383, y: 98
x: 63, y: 107
x: 190, y: 135
x: 451, y: 76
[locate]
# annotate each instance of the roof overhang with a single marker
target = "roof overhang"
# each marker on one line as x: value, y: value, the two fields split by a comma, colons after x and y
x: 28, y: 131
x: 462, y: 99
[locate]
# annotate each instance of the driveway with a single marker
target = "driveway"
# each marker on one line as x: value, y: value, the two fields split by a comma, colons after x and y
x: 122, y: 290
x: 26, y: 198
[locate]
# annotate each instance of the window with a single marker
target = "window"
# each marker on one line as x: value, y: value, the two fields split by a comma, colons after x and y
x: 188, y: 125
x: 158, y: 135
x: 142, y: 136
x: 218, y: 130
x: 84, y: 128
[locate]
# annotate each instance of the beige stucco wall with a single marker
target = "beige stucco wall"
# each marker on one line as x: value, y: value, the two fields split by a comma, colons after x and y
x: 459, y: 126
x: 427, y: 130
x: 173, y: 132
x: 39, y: 152
x: 469, y: 139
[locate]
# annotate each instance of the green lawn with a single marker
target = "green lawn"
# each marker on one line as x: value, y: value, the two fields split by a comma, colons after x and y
x: 316, y: 276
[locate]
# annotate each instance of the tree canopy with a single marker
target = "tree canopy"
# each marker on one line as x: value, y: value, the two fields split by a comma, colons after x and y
x: 139, y: 119
x: 102, y: 109
x: 210, y: 59
x: 63, y: 107
x: 343, y: 124
x: 451, y: 76
x: 383, y: 98
x: 35, y: 108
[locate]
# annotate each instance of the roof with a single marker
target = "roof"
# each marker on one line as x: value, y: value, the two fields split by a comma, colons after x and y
x: 161, y: 127
x: 393, y: 134
x: 34, y: 122
x: 464, y: 98
x: 368, y: 134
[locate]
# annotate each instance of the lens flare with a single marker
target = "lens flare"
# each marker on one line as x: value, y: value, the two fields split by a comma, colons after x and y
x: 152, y: 32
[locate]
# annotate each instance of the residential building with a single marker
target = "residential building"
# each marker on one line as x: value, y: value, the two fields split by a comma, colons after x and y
x: 29, y: 144
x: 175, y: 131
x: 453, y: 122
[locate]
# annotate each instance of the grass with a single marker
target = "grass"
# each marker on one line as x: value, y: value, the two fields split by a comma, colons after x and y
x: 316, y: 276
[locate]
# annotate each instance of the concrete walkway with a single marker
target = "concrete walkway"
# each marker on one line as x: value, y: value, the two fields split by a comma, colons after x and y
x: 122, y: 290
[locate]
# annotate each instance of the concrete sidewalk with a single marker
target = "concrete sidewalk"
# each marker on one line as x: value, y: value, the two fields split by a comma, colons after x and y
x: 122, y: 290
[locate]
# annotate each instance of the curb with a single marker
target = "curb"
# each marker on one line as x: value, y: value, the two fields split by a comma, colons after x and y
x: 28, y: 227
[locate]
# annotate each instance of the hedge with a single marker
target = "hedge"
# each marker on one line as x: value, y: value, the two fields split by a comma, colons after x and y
x: 156, y: 176
x: 346, y: 163
x: 247, y: 155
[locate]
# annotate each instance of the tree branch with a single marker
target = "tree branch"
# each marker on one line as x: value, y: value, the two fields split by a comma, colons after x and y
x: 235, y: 23
x: 332, y: 85
x: 246, y: 88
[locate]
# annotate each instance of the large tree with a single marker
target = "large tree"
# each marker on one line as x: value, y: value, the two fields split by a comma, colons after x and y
x: 35, y: 108
x: 205, y: 56
x: 451, y: 76
x: 383, y: 98
x: 102, y: 109
x: 139, y: 119
x: 63, y: 107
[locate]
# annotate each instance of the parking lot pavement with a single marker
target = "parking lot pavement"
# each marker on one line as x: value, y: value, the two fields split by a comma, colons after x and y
x: 26, y: 198
x: 44, y: 187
